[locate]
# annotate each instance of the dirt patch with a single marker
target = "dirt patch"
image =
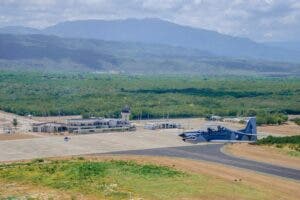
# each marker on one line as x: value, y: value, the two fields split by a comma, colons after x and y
x: 12, y: 190
x: 16, y: 136
x: 58, y: 119
x: 267, y: 154
x: 293, y: 116
x: 289, y: 128
x: 23, y: 126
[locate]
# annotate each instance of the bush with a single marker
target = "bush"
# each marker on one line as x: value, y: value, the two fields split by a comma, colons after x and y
x: 271, y: 140
x: 271, y: 118
x: 38, y: 160
x: 296, y: 120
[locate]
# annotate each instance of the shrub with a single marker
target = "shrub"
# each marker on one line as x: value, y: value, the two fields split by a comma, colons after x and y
x: 280, y: 140
x: 271, y: 118
x: 38, y: 160
x: 296, y: 120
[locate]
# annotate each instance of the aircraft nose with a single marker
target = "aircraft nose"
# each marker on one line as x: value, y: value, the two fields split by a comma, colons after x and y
x: 181, y: 135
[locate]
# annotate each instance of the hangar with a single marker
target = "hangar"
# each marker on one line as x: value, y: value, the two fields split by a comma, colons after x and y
x: 49, y: 127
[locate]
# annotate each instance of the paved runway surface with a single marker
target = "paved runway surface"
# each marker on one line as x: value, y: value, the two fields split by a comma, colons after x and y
x: 213, y: 153
x: 55, y: 146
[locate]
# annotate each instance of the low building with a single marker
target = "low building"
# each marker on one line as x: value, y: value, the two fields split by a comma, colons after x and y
x: 49, y: 127
x: 235, y: 119
x: 162, y: 125
x: 94, y: 125
x: 215, y: 118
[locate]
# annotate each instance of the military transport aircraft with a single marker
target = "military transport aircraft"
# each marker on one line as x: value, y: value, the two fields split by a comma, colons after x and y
x: 223, y: 134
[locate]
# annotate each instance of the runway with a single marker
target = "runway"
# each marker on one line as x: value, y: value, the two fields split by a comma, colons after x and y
x: 213, y: 153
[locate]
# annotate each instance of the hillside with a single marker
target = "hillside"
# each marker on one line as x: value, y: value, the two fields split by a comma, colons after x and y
x: 164, y: 32
x: 292, y: 45
x: 156, y: 31
x: 19, y: 30
x: 52, y: 53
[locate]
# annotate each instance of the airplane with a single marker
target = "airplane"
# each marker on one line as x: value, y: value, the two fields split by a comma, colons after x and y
x: 223, y: 134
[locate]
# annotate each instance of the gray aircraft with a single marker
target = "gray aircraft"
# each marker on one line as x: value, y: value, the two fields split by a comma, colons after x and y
x: 223, y: 134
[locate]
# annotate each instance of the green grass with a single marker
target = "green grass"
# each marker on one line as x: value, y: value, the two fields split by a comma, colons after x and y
x: 122, y: 180
x: 42, y: 94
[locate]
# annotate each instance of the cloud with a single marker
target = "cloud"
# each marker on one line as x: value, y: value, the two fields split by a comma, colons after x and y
x: 256, y: 19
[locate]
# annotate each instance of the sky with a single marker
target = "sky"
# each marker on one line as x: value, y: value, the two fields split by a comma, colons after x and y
x: 259, y: 20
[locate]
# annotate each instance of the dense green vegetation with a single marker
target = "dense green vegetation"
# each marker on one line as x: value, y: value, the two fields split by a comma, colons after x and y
x: 296, y: 120
x: 121, y: 180
x: 280, y: 140
x: 38, y: 94
x: 271, y: 118
x: 290, y: 142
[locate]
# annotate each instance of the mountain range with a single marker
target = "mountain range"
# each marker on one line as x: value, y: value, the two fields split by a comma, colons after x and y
x: 140, y: 45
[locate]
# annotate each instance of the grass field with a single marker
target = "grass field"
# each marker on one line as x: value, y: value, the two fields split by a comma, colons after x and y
x: 118, y: 180
x: 149, y: 96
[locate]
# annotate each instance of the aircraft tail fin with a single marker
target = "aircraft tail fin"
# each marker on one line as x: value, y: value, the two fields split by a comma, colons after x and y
x: 251, y: 126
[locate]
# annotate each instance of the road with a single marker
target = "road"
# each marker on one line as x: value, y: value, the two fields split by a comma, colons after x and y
x: 213, y: 153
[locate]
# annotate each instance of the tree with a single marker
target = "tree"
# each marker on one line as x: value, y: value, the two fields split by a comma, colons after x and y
x: 15, y: 122
x: 85, y: 116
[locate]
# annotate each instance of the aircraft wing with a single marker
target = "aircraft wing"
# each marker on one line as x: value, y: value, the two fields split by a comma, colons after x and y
x: 232, y: 141
x: 244, y: 133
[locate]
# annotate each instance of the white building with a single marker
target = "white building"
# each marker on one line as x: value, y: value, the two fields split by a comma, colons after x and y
x: 49, y: 127
x: 126, y: 113
x: 162, y: 125
x: 94, y: 125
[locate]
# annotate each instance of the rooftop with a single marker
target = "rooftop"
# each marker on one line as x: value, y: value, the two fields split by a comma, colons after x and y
x: 126, y: 109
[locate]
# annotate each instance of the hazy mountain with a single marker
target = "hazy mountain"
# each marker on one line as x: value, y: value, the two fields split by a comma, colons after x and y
x: 291, y: 45
x: 19, y: 30
x: 156, y: 31
x: 164, y: 32
x: 52, y: 53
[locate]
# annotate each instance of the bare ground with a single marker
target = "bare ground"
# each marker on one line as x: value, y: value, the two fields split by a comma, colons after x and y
x: 24, y: 123
x: 13, y: 190
x: 16, y: 136
x: 58, y: 119
x: 267, y: 154
x: 289, y: 128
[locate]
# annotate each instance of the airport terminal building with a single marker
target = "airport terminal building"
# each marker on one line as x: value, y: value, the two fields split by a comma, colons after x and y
x: 90, y: 125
